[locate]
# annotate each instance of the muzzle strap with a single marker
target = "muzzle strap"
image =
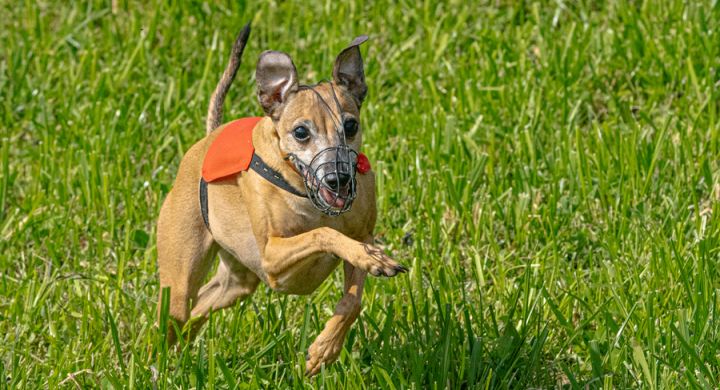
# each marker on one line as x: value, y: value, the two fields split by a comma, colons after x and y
x: 330, y: 176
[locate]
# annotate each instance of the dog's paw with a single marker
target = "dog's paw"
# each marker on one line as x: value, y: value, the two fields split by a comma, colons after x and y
x: 322, y: 351
x: 380, y: 264
x: 387, y: 270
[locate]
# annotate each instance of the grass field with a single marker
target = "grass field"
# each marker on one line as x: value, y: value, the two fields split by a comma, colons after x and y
x: 549, y: 172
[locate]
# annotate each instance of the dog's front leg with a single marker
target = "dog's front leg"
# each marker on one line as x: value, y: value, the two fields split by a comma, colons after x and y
x: 327, y: 346
x: 283, y: 254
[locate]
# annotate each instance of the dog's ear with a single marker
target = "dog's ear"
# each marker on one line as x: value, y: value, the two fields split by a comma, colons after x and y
x: 276, y: 79
x: 349, y: 71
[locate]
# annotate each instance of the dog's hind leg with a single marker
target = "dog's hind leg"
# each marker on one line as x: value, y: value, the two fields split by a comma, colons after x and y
x: 232, y: 282
x: 185, y: 252
x: 328, y: 344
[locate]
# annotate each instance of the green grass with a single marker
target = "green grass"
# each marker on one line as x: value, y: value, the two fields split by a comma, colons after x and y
x: 549, y: 172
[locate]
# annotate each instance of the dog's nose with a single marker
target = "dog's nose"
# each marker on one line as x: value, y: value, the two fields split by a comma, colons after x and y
x: 337, y: 180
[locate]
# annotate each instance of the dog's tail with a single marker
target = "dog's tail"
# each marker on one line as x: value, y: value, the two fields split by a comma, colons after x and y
x: 215, y: 110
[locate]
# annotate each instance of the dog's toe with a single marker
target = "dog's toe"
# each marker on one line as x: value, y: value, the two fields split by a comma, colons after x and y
x: 388, y: 270
x: 312, y: 367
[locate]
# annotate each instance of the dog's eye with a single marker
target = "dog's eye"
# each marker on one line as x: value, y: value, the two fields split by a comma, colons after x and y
x: 301, y: 133
x: 351, y: 127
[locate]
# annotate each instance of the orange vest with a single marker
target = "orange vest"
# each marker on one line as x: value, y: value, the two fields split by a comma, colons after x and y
x: 231, y: 151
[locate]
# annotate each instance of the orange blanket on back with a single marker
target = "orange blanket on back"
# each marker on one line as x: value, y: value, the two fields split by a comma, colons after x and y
x: 232, y: 150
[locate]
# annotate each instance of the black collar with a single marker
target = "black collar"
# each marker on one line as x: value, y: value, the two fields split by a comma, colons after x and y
x: 258, y: 165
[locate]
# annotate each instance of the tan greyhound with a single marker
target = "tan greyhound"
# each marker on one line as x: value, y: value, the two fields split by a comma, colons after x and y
x: 287, y: 221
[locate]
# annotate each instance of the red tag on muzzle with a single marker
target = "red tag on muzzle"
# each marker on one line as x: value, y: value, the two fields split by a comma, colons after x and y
x: 363, y: 164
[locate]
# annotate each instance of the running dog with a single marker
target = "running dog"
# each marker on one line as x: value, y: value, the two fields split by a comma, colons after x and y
x: 282, y: 199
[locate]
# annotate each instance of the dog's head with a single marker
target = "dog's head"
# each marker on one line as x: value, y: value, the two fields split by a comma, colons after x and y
x: 317, y: 128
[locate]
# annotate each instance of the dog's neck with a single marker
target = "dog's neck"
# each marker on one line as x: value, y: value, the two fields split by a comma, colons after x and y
x: 267, y: 147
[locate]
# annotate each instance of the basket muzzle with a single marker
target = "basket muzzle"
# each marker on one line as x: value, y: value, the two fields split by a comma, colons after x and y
x: 330, y: 178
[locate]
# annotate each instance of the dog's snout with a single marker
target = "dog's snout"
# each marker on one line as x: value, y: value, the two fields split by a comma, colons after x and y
x: 337, y: 180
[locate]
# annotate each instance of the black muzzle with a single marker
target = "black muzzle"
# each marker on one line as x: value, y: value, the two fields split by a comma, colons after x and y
x: 330, y: 179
